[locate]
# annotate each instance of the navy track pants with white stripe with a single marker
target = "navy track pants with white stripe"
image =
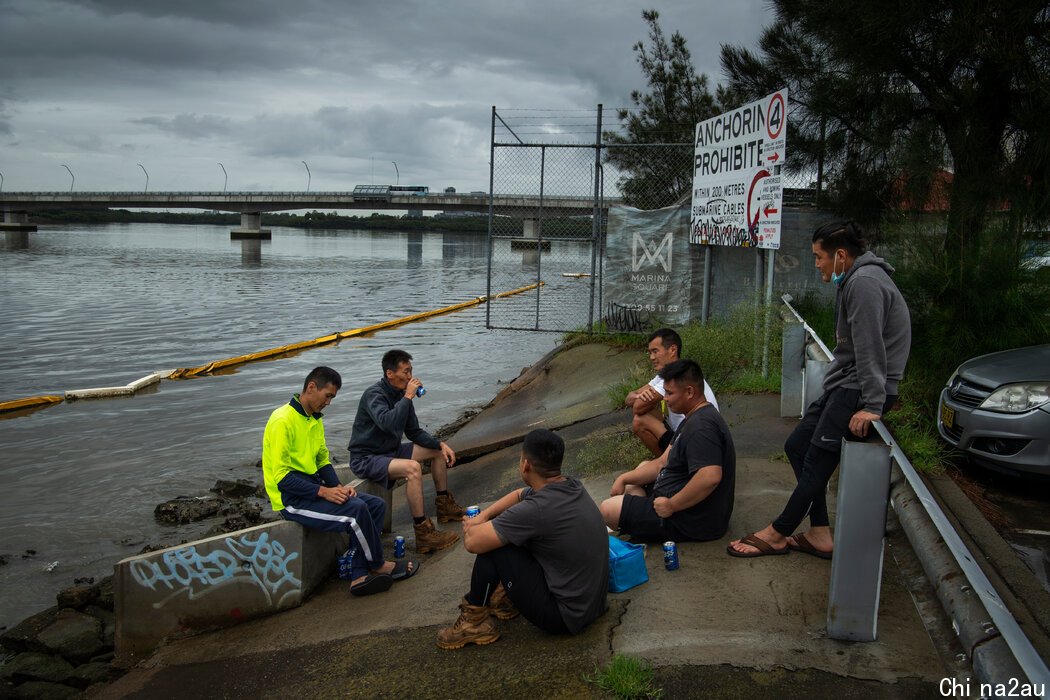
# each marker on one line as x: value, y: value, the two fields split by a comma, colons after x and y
x: 360, y: 516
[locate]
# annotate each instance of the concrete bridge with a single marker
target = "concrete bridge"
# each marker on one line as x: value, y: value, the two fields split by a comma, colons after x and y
x: 17, y: 206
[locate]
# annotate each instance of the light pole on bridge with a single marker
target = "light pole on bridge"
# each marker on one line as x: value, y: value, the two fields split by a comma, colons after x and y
x: 308, y: 177
x: 396, y: 173
x: 1, y: 182
x: 225, y: 177
x: 146, y: 188
x: 71, y: 175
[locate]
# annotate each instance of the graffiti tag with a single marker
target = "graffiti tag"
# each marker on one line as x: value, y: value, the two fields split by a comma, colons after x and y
x: 257, y: 561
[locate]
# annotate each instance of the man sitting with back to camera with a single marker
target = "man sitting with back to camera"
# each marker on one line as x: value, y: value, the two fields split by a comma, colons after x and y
x: 687, y: 492
x: 303, y: 486
x: 384, y: 414
x: 646, y: 402
x: 542, y: 550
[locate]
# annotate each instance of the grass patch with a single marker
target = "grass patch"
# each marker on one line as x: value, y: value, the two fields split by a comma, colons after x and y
x: 917, y: 436
x: 729, y: 351
x: 626, y: 678
x: 613, y: 449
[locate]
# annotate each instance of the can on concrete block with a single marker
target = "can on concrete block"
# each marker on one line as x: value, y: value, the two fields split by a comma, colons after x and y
x: 473, y: 511
x: 399, y: 547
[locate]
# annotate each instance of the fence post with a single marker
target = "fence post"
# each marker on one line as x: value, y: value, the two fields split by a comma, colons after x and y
x: 860, y: 529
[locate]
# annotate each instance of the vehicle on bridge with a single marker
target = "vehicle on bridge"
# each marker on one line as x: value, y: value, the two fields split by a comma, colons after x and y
x: 410, y: 190
x: 383, y: 193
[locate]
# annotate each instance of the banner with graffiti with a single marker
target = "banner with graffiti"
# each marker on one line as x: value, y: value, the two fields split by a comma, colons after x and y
x: 647, y: 268
x: 737, y: 192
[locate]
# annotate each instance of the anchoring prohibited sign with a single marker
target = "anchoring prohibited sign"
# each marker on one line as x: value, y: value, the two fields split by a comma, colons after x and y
x: 737, y: 192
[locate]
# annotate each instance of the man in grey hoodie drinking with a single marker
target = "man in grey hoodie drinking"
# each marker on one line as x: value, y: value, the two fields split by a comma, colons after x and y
x: 872, y: 341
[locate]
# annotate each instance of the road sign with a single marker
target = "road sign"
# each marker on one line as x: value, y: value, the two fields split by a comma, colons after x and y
x: 737, y: 192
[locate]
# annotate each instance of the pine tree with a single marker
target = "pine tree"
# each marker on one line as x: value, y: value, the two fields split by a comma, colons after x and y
x: 885, y: 94
x: 656, y: 174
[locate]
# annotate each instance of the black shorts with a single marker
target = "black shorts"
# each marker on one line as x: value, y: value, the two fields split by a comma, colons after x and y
x: 830, y: 415
x: 665, y: 439
x: 640, y: 521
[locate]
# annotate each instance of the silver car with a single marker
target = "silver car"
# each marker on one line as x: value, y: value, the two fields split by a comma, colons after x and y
x: 996, y: 408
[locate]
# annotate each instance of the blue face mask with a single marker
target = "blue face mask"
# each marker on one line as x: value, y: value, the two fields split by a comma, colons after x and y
x: 837, y: 277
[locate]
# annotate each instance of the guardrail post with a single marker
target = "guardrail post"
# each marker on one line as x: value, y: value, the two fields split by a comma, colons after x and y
x: 792, y: 358
x: 860, y: 528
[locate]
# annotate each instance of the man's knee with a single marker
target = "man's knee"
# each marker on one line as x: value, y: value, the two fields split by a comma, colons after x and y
x: 409, y: 469
x: 637, y: 425
x: 797, y: 445
x: 610, y: 509
x: 376, y: 505
x: 415, y: 471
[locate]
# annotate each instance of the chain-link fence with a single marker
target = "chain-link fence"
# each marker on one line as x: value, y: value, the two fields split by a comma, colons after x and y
x: 542, y: 226
x: 553, y: 176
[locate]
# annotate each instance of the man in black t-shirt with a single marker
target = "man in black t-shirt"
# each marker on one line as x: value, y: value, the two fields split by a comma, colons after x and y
x: 687, y: 492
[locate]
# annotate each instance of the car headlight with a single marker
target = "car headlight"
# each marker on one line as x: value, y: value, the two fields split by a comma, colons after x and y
x: 1017, y: 398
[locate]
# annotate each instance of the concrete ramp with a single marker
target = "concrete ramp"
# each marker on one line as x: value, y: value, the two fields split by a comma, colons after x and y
x: 561, y: 389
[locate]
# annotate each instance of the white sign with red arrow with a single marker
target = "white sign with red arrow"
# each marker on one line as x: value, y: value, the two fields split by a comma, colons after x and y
x: 738, y: 157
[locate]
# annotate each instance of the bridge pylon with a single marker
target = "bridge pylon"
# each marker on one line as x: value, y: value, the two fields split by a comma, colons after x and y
x: 251, y: 228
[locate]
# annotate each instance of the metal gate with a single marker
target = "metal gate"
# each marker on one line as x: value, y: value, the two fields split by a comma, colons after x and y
x: 545, y: 224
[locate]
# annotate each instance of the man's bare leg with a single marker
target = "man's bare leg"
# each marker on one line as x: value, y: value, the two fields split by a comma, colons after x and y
x: 412, y: 472
x: 611, y: 507
x: 438, y: 468
x: 649, y: 427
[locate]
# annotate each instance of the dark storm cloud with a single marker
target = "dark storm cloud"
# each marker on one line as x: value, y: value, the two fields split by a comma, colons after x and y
x: 341, y: 83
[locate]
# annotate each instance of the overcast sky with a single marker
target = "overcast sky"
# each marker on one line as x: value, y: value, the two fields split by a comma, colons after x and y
x: 349, y: 87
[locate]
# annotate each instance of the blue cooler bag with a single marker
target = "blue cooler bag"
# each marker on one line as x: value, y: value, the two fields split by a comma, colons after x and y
x: 626, y: 565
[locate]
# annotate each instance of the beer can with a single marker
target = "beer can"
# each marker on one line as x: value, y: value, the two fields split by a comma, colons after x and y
x: 420, y: 391
x: 399, y: 547
x: 473, y: 511
x: 671, y: 556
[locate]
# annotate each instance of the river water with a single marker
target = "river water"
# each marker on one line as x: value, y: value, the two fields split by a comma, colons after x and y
x: 90, y: 306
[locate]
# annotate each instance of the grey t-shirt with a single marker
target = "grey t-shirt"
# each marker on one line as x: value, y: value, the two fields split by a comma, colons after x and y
x: 562, y: 527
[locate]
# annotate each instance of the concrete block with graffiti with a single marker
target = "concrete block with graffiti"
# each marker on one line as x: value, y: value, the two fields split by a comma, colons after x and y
x: 217, y: 582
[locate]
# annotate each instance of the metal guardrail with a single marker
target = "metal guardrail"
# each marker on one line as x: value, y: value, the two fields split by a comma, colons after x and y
x: 982, y: 630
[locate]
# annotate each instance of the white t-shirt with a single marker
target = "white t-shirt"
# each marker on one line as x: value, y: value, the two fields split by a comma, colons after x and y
x: 674, y: 419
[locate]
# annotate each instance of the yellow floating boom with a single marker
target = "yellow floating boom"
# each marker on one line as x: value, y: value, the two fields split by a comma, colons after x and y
x: 36, y: 402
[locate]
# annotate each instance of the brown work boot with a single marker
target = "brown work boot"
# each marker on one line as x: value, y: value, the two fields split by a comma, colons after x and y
x: 430, y: 539
x: 501, y: 606
x: 448, y: 509
x: 474, y: 626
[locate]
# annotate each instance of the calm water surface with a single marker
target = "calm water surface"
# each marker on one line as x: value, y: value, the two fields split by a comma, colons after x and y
x: 104, y: 305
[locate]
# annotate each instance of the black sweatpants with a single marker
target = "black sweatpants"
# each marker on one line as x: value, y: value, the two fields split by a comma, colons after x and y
x: 523, y: 579
x: 813, y: 449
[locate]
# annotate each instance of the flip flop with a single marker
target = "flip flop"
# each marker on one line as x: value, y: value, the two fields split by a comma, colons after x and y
x: 401, y: 571
x: 805, y: 546
x: 373, y: 583
x: 764, y: 548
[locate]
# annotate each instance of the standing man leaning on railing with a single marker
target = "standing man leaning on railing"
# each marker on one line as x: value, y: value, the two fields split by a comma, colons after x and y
x: 872, y: 341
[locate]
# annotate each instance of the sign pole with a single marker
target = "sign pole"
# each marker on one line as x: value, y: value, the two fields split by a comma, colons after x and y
x: 771, y: 256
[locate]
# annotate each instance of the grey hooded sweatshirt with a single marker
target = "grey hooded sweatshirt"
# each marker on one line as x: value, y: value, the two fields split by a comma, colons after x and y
x: 872, y: 333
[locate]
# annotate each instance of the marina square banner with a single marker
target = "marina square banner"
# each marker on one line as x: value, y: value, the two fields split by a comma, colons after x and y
x: 648, y: 272
x: 737, y: 192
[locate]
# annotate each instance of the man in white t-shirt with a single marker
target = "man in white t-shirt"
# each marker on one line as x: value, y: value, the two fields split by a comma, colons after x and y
x: 647, y: 402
